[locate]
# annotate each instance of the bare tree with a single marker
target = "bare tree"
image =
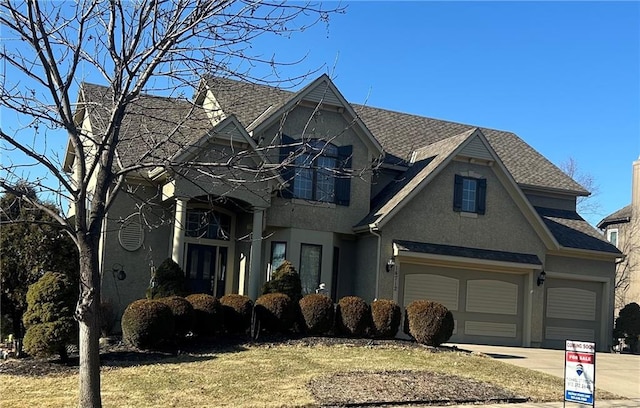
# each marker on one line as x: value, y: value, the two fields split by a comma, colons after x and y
x: 135, y: 47
x: 585, y: 205
x: 627, y: 267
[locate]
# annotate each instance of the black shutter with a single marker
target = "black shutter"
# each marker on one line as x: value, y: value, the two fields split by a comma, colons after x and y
x: 343, y: 179
x: 457, y: 193
x: 481, y: 196
x: 288, y: 172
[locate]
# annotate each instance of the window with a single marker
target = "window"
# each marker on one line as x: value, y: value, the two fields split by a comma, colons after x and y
x: 469, y: 194
x: 317, y: 172
x: 612, y: 236
x: 208, y: 224
x: 278, y: 254
x: 310, y: 267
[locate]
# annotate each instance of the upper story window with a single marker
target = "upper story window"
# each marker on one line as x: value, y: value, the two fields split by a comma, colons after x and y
x: 208, y: 224
x: 469, y: 194
x: 317, y: 172
x: 612, y: 236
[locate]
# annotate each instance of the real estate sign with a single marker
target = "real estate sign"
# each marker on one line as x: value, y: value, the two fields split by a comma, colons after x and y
x: 579, y: 372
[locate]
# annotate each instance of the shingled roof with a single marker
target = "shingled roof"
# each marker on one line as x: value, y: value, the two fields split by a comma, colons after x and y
x: 572, y: 231
x: 618, y: 217
x: 154, y: 128
x: 401, y: 133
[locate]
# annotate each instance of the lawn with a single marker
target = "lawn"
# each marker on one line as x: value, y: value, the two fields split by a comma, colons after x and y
x: 262, y: 376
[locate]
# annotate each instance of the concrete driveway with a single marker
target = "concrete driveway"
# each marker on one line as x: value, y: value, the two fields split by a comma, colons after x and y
x: 616, y: 373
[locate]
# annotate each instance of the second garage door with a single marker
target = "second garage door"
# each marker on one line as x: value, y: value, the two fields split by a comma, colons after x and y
x: 487, y: 306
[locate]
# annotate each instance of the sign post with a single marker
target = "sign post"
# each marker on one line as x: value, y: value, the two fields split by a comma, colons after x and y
x: 580, y: 372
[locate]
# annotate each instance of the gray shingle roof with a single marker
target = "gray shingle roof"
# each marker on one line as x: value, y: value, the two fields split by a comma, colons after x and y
x: 401, y: 133
x: 154, y: 128
x: 466, y: 252
x: 572, y: 231
x: 620, y: 216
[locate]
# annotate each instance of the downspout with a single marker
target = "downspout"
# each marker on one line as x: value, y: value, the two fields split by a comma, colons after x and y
x: 372, y: 229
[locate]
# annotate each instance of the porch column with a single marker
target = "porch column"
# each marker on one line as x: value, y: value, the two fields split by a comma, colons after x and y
x: 256, y: 254
x: 179, y: 223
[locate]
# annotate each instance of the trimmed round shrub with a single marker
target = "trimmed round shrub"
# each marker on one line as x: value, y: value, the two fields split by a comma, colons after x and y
x: 183, y: 314
x: 49, y: 318
x: 285, y: 280
x: 353, y: 316
x: 236, y: 313
x: 317, y: 313
x: 147, y: 324
x: 276, y: 312
x: 169, y: 280
x: 385, y: 318
x: 627, y: 326
x: 428, y: 322
x: 207, y: 314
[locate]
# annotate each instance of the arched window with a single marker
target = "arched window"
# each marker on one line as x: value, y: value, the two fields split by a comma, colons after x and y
x: 317, y: 172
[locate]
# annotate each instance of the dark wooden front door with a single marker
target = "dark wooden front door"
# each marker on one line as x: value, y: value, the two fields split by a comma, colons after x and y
x: 206, y: 269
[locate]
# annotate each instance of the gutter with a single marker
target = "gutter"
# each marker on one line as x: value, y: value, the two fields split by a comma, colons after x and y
x: 372, y: 229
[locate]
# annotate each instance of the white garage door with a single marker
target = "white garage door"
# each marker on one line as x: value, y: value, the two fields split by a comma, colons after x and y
x: 486, y: 306
x: 571, y: 311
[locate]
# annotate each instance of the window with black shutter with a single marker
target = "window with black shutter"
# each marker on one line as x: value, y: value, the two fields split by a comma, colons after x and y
x: 469, y: 194
x: 316, y: 170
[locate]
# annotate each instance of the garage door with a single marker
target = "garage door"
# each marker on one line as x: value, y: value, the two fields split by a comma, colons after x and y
x: 486, y: 307
x: 571, y: 311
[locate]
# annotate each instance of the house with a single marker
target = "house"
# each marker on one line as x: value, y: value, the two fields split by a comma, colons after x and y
x: 622, y: 230
x: 367, y: 201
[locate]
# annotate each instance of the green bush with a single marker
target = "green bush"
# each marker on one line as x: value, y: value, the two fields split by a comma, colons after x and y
x: 183, y: 314
x: 275, y: 312
x: 169, y: 280
x: 385, y: 318
x: 107, y: 318
x: 236, y: 313
x: 49, y: 317
x: 148, y: 324
x: 628, y: 325
x: 285, y: 280
x: 207, y: 314
x: 428, y: 322
x: 317, y: 313
x: 353, y: 316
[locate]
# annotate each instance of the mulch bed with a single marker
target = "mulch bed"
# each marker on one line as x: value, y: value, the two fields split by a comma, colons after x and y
x: 357, y: 389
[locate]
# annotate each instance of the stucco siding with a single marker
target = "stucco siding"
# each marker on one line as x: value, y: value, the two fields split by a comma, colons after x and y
x: 366, y: 269
x: 331, y: 127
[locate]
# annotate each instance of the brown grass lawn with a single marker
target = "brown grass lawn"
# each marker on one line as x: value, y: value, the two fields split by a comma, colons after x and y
x: 262, y: 376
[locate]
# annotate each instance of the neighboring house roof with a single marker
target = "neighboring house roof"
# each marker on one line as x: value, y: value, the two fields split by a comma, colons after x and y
x: 621, y: 216
x: 572, y: 231
x: 466, y: 252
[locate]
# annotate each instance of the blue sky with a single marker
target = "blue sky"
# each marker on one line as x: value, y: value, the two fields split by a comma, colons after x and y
x: 564, y: 76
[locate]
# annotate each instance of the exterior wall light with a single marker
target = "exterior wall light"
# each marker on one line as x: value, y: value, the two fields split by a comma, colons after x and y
x: 541, y: 278
x: 391, y: 263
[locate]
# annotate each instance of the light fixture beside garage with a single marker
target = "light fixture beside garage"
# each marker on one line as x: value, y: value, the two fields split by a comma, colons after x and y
x: 391, y: 263
x: 541, y: 278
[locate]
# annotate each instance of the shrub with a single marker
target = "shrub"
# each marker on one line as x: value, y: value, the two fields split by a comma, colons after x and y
x: 428, y: 322
x: 183, y: 314
x: 107, y: 318
x: 236, y: 313
x: 317, y: 313
x: 285, y: 280
x: 147, y: 324
x: 628, y: 325
x: 207, y: 314
x: 385, y: 318
x: 49, y: 317
x: 169, y: 280
x: 275, y: 312
x: 353, y: 316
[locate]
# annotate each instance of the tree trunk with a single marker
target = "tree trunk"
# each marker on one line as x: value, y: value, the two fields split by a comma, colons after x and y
x: 87, y: 313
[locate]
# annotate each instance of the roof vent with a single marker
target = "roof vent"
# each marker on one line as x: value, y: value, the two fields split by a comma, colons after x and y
x: 131, y: 235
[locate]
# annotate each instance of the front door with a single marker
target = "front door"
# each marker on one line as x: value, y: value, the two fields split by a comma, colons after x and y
x: 206, y: 269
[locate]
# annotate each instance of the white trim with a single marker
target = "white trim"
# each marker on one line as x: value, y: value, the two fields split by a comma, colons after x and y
x: 610, y: 232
